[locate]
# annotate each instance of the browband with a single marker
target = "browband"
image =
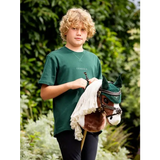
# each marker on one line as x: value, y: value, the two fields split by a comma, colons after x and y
x: 110, y: 93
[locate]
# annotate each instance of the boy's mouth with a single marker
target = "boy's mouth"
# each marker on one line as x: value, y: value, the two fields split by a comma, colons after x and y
x: 78, y: 38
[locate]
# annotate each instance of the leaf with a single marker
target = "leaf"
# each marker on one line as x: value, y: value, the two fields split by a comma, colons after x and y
x: 31, y: 59
x: 41, y: 19
x: 28, y: 46
x: 53, y: 3
x: 37, y: 36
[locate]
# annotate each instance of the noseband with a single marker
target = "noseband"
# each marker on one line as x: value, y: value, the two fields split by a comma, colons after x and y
x: 103, y: 106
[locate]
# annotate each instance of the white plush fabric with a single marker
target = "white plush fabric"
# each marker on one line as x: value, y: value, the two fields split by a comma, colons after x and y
x: 86, y: 105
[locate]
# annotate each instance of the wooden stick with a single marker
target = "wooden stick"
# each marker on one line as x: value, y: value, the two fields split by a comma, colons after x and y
x: 84, y: 137
x: 85, y: 132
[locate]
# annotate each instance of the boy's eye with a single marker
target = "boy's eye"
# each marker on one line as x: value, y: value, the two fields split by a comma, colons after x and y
x: 74, y: 28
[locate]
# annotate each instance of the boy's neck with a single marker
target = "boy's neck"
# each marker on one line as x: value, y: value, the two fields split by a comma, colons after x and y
x: 76, y: 49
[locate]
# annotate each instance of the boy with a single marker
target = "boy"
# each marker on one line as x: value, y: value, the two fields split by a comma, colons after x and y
x: 63, y: 80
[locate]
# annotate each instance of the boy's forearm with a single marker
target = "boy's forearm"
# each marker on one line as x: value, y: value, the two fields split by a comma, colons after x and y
x: 49, y: 92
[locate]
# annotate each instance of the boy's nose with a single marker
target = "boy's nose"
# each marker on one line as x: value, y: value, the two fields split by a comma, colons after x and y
x: 78, y: 32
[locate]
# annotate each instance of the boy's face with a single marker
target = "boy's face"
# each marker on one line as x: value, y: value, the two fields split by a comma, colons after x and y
x: 76, y: 35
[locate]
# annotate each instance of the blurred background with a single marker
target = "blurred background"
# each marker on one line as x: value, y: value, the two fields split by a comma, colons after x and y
x: 116, y: 43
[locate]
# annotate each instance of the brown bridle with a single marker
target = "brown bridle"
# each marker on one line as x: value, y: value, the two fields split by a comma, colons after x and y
x: 102, y: 106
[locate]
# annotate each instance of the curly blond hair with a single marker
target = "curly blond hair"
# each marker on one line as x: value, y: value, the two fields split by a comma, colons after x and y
x: 75, y: 16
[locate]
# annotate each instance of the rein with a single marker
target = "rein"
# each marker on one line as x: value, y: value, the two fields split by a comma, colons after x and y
x: 87, y: 79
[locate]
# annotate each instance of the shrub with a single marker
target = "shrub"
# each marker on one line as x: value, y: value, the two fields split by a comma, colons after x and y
x: 117, y: 137
x: 37, y: 142
x: 112, y: 143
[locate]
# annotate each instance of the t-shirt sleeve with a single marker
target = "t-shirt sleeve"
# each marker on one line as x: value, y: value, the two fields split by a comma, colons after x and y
x: 48, y: 76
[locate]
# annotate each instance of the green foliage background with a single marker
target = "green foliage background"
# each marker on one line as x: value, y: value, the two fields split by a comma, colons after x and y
x: 116, y: 43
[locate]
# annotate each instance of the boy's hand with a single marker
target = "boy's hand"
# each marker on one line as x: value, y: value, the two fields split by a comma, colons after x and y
x: 78, y: 83
x: 81, y: 83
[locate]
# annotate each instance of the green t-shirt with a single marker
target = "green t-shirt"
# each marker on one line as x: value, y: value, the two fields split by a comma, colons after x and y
x: 62, y: 66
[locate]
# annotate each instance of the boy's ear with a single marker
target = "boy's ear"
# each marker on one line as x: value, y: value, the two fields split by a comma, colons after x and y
x: 65, y: 33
